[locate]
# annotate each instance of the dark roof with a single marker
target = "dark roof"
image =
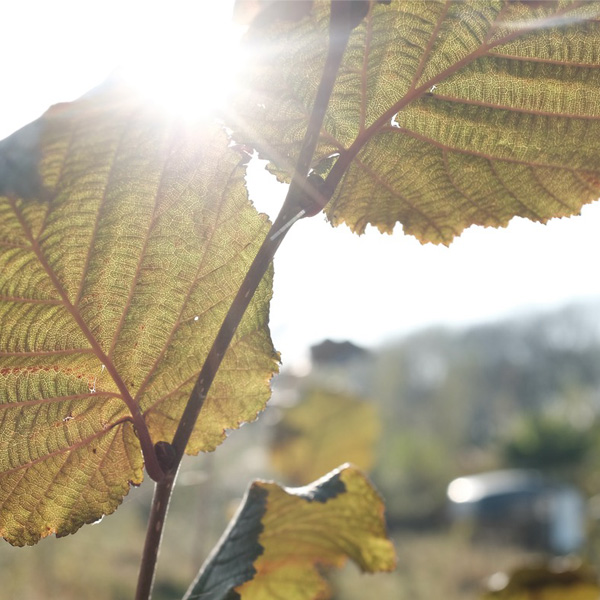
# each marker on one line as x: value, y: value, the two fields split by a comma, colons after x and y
x: 330, y: 352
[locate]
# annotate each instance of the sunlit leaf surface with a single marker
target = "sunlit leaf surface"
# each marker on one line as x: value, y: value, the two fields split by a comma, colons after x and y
x: 119, y: 257
x: 297, y: 529
x: 322, y: 431
x: 449, y: 113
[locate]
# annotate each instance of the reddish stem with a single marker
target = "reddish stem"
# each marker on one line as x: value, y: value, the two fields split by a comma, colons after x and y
x: 156, y: 523
x: 344, y: 17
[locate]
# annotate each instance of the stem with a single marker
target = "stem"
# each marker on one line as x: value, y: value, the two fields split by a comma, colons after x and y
x: 344, y: 17
x: 215, y: 356
x: 164, y: 487
x: 156, y: 522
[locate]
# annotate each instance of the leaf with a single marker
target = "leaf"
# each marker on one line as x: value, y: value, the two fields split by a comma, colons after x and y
x: 444, y: 114
x: 322, y: 431
x: 230, y: 564
x: 298, y: 529
x: 113, y: 284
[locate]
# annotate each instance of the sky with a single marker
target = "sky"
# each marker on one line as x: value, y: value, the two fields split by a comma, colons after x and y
x: 329, y: 283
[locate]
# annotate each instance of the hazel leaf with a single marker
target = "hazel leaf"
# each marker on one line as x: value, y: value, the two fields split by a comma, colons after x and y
x: 280, y: 538
x: 116, y: 270
x: 445, y: 114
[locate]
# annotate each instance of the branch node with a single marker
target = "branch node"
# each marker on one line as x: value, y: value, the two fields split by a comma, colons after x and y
x: 166, y: 455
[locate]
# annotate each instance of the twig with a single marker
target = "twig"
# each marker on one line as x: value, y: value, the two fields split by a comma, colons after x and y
x: 301, y: 199
x: 156, y: 522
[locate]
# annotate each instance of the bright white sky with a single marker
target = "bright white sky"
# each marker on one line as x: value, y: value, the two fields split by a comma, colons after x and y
x: 329, y: 283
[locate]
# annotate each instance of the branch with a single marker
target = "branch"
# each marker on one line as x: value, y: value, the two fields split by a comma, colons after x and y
x: 303, y: 199
x: 303, y: 194
x: 156, y: 522
x: 299, y: 202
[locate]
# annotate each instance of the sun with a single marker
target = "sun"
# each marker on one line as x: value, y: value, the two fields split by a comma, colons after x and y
x: 184, y: 57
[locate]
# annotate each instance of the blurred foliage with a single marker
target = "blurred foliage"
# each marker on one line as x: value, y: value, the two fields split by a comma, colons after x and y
x: 554, y: 581
x: 413, y: 473
x: 323, y: 431
x: 548, y: 443
x: 450, y: 399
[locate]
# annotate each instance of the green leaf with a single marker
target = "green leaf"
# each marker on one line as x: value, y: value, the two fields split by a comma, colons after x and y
x: 114, y: 280
x: 280, y: 536
x: 444, y: 114
x: 322, y: 431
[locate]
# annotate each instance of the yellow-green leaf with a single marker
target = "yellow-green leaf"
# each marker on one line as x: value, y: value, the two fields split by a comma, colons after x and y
x: 116, y: 270
x: 322, y: 431
x: 445, y: 114
x: 298, y: 530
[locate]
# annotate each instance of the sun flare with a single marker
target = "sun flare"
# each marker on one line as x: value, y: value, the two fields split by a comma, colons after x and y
x: 185, y: 58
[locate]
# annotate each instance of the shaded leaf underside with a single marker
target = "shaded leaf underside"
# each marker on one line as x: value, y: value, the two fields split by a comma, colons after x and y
x: 115, y: 280
x: 449, y: 113
x: 281, y: 535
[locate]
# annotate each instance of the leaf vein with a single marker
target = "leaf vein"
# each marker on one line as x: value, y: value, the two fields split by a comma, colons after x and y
x: 552, y: 195
x: 126, y: 396
x: 510, y: 193
x: 136, y: 275
x: 438, y: 144
x: 63, y: 352
x: 70, y: 448
x: 468, y: 198
x: 55, y: 399
x: 207, y: 246
x: 430, y: 43
x: 517, y: 109
x: 101, y: 204
x: 384, y: 184
x: 31, y: 300
x: 549, y: 61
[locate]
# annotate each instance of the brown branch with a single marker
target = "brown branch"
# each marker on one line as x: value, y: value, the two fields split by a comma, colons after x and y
x: 345, y: 16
